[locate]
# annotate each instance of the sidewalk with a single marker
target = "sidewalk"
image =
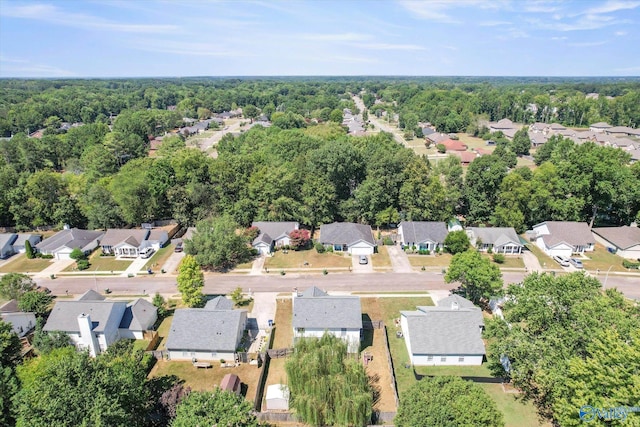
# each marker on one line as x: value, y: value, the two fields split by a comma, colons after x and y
x: 56, y: 267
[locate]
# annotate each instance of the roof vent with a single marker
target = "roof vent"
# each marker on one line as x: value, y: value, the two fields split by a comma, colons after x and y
x: 455, y: 306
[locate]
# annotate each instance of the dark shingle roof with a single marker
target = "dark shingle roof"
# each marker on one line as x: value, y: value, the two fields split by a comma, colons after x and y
x: 199, y: 329
x: 345, y: 233
x: 423, y: 231
x: 139, y: 315
x: 572, y: 233
x: 327, y: 312
x: 91, y: 295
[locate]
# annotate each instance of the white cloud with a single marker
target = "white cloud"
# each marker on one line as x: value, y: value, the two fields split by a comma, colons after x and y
x: 344, y: 37
x: 25, y: 68
x: 587, y: 44
x: 188, y: 48
x: 620, y: 33
x: 494, y: 23
x: 559, y: 38
x: 635, y: 69
x: 387, y: 46
x: 54, y: 15
x: 612, y: 6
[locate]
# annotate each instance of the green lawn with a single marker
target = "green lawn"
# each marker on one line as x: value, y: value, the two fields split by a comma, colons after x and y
x: 103, y: 263
x: 297, y: 259
x: 544, y: 260
x: 510, y: 261
x: 381, y: 259
x: 603, y: 260
x: 442, y: 260
x: 20, y: 264
x: 163, y: 331
x: 283, y: 332
x: 159, y: 258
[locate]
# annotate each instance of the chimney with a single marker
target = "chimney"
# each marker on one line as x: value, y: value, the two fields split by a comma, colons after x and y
x: 87, y: 337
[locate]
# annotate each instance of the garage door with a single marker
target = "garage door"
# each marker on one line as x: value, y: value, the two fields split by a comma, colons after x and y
x: 361, y: 250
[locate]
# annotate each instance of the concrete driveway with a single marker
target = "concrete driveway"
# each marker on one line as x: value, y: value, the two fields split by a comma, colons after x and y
x: 531, y: 262
x: 399, y: 260
x: 172, y: 263
x: 356, y: 267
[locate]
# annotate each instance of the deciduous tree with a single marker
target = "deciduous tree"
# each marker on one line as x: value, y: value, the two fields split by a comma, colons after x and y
x: 220, y: 408
x: 456, y: 242
x: 14, y: 285
x: 479, y: 278
x: 190, y: 281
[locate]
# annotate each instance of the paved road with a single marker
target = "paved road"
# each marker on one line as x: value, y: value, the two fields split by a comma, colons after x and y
x: 225, y: 283
x: 379, y: 123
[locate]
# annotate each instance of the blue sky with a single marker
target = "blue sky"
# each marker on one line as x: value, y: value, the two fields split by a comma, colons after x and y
x: 136, y: 38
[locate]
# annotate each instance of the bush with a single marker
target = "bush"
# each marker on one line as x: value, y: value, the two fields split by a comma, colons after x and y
x: 490, y: 251
x: 630, y: 264
x: 82, y: 264
x: 441, y: 148
x: 325, y: 272
x: 387, y: 241
x: 320, y: 248
x: 424, y: 252
x: 498, y: 258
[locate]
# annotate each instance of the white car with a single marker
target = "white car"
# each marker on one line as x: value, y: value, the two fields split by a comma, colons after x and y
x: 563, y: 261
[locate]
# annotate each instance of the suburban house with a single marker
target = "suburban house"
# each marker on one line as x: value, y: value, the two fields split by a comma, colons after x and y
x: 466, y: 157
x: 6, y: 244
x: 205, y: 334
x: 453, y: 145
x: 315, y: 312
x: 436, y: 138
x: 424, y: 235
x: 624, y: 240
x: 448, y: 334
x: 21, y: 322
x: 126, y: 243
x: 19, y: 244
x: 272, y: 234
x: 599, y: 127
x: 506, y: 126
x: 501, y: 240
x: 61, y: 244
x: 563, y: 238
x: 157, y: 238
x: 356, y: 239
x: 454, y: 225
x: 94, y: 323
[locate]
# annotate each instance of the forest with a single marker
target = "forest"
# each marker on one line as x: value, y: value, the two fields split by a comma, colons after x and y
x: 305, y: 167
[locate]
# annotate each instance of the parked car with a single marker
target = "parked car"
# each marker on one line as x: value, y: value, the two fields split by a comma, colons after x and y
x: 146, y: 253
x: 576, y: 262
x: 178, y: 247
x: 364, y: 259
x: 563, y: 261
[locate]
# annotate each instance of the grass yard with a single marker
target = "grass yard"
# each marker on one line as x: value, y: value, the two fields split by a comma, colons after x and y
x: 159, y: 257
x: 378, y: 369
x: 381, y: 259
x: 201, y: 379
x: 283, y: 333
x: 103, y: 263
x: 603, y: 260
x: 510, y: 261
x: 163, y: 331
x: 296, y: 259
x: 442, y: 260
x: 475, y: 142
x: 544, y: 259
x: 516, y: 413
x: 21, y: 264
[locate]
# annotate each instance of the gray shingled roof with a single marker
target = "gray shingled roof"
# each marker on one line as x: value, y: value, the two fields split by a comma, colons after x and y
x: 71, y: 238
x: 424, y: 231
x: 140, y: 315
x: 158, y: 235
x: 448, y: 301
x: 219, y: 303
x: 622, y: 237
x: 91, y: 295
x: 497, y: 236
x: 327, y: 312
x: 199, y: 329
x: 116, y: 236
x: 445, y: 331
x: 64, y: 316
x: 345, y: 233
x: 7, y: 239
x: 572, y: 233
x: 23, y: 237
x: 273, y: 230
x: 314, y: 292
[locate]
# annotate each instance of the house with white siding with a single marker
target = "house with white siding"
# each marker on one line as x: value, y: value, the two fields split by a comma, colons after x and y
x: 355, y: 239
x: 501, y: 240
x: 61, y: 244
x: 447, y: 334
x: 424, y: 235
x: 563, y: 238
x: 272, y: 234
x: 624, y: 240
x: 315, y: 313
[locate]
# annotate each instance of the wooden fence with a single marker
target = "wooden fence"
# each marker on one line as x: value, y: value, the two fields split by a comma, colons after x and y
x: 277, y: 353
x: 394, y: 383
x: 372, y: 324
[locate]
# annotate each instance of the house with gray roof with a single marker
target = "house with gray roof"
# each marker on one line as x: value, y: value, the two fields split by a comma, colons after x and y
x: 61, y: 244
x: 125, y: 243
x: 272, y: 234
x: 19, y: 244
x: 94, y: 323
x: 219, y: 303
x: 447, y: 334
x: 315, y: 313
x: 6, y: 244
x: 355, y: 239
x: 424, y: 235
x: 624, y: 240
x: 501, y: 240
x: 599, y: 127
x: 157, y: 238
x: 22, y: 323
x: 205, y: 334
x: 563, y: 238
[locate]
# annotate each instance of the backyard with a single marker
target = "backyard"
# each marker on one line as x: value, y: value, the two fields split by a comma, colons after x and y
x: 21, y: 264
x: 313, y: 259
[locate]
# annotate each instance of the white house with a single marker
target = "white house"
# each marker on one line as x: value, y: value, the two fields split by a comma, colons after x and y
x: 315, y: 312
x: 625, y: 240
x: 61, y: 244
x: 272, y: 234
x: 277, y: 397
x: 599, y: 127
x: 424, y: 235
x: 126, y: 243
x: 356, y: 239
x: 205, y: 334
x: 19, y: 244
x: 157, y: 238
x: 94, y: 323
x: 448, y: 334
x: 501, y: 240
x: 563, y: 238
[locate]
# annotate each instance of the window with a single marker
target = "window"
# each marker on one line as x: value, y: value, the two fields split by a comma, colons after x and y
x: 443, y: 359
x: 343, y: 332
x: 301, y: 330
x: 461, y: 359
x: 429, y: 358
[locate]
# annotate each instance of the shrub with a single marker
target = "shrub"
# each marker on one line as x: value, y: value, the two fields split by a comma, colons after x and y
x: 320, y: 248
x: 82, y: 264
x: 325, y: 272
x: 387, y: 241
x: 630, y: 264
x: 28, y: 249
x: 498, y: 258
x: 441, y: 148
x: 77, y: 254
x: 424, y: 251
x: 490, y: 251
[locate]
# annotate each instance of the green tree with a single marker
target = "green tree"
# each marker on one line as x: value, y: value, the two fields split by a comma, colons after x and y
x: 219, y: 408
x: 190, y: 281
x: 14, y: 285
x: 250, y: 112
x: 336, y: 116
x: 456, y: 242
x: 521, y: 142
x: 479, y: 278
x: 35, y: 302
x: 78, y: 254
x: 326, y: 387
x: 447, y: 401
x: 9, y: 386
x: 29, y: 249
x: 45, y: 342
x: 10, y: 347
x: 216, y: 244
x: 482, y: 183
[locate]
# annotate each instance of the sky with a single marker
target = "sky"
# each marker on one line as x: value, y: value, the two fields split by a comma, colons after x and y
x: 179, y: 38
